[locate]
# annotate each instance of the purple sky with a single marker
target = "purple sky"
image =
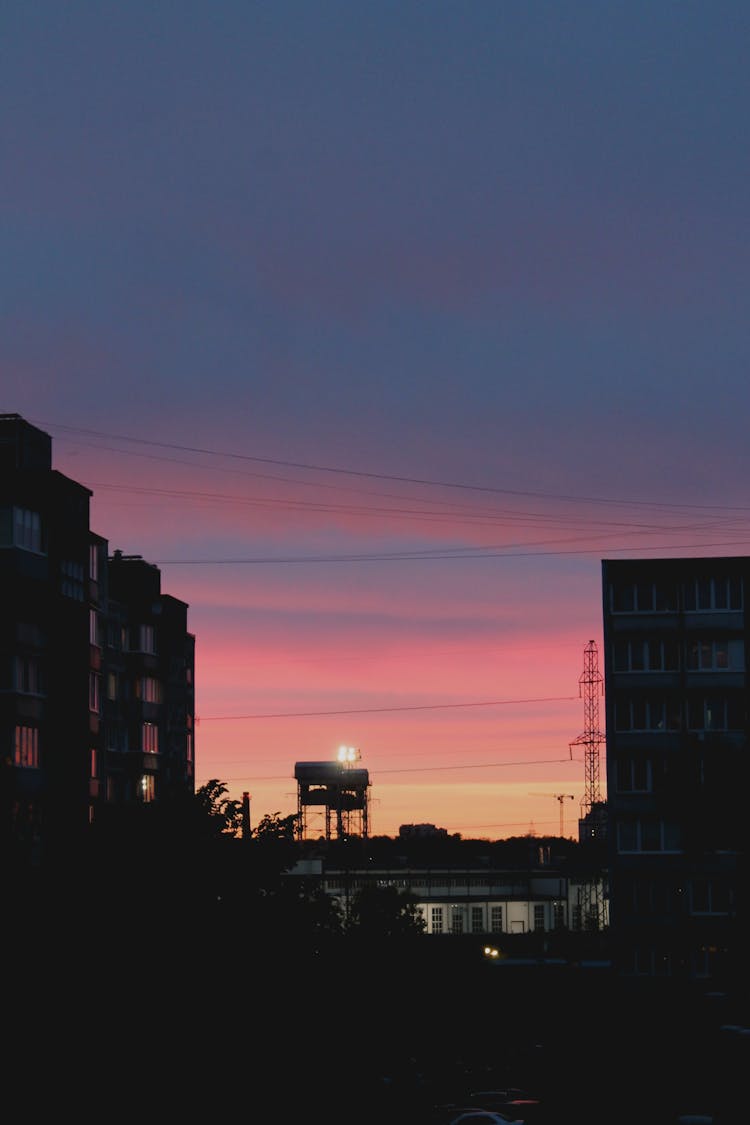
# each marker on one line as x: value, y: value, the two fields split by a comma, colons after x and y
x: 308, y: 281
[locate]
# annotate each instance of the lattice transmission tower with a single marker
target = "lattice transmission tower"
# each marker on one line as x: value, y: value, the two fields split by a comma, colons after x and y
x: 593, y: 808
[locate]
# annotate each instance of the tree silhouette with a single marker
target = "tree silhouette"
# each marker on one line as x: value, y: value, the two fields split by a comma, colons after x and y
x: 385, y: 912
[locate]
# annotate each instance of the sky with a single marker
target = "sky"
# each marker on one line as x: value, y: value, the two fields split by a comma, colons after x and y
x: 377, y: 326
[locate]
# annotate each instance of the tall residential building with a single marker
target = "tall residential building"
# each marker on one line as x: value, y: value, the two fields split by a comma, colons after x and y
x: 96, y: 664
x: 677, y: 725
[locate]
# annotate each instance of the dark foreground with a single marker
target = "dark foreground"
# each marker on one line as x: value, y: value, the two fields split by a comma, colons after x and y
x: 160, y: 1026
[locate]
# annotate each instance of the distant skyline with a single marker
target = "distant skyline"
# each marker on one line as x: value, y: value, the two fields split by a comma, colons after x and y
x: 376, y: 327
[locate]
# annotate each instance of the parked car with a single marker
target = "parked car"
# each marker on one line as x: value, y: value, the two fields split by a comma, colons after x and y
x: 509, y: 1100
x: 451, y: 1114
x: 483, y: 1117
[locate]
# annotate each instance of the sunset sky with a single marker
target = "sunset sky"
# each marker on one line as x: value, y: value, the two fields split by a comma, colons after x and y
x: 377, y: 326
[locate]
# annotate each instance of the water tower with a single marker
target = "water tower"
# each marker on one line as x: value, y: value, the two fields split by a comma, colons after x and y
x: 332, y: 797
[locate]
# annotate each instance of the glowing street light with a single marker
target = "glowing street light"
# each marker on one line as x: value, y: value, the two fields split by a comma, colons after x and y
x: 348, y: 754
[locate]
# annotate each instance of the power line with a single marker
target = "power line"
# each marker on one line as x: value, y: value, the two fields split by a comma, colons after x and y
x: 416, y: 769
x: 389, y: 476
x: 455, y: 514
x: 376, y: 710
x: 424, y: 556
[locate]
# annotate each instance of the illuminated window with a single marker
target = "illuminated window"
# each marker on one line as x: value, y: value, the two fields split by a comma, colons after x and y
x: 477, y: 920
x: 148, y: 787
x: 148, y: 689
x: 436, y: 915
x: 496, y: 919
x: 149, y: 738
x: 94, y: 692
x: 457, y: 920
x: 26, y: 748
x: 94, y: 763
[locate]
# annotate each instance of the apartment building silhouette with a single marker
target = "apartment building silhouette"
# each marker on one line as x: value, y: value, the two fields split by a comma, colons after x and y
x: 677, y: 726
x: 96, y: 664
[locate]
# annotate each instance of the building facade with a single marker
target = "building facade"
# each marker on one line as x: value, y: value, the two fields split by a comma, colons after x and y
x: 484, y: 902
x: 677, y: 738
x: 96, y: 664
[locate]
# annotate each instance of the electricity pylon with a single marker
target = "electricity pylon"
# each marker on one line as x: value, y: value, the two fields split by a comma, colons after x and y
x: 590, y: 687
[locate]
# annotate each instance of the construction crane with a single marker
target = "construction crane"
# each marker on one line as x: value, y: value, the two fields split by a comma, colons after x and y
x: 558, y: 797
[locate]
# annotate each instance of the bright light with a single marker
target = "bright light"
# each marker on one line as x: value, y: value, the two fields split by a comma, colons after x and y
x: 348, y: 754
x: 490, y: 951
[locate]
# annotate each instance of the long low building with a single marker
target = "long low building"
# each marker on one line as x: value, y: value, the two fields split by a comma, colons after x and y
x: 472, y: 900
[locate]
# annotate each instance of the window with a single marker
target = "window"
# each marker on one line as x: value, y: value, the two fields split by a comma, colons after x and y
x: 148, y: 787
x: 702, y: 593
x: 28, y: 675
x: 72, y: 580
x: 27, y: 530
x: 496, y: 919
x: 643, y: 712
x: 647, y: 896
x: 716, y: 656
x: 94, y: 627
x: 709, y: 895
x: 647, y: 655
x: 93, y: 562
x: 538, y: 915
x: 643, y: 597
x: 112, y: 685
x: 189, y: 750
x: 715, y: 712
x: 116, y: 735
x: 148, y: 689
x: 94, y: 762
x: 558, y: 915
x: 477, y: 920
x: 146, y: 639
x: 94, y: 692
x: 26, y: 748
x: 436, y: 915
x: 633, y: 775
x: 457, y: 920
x: 577, y: 921
x: 149, y: 738
x: 648, y: 835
